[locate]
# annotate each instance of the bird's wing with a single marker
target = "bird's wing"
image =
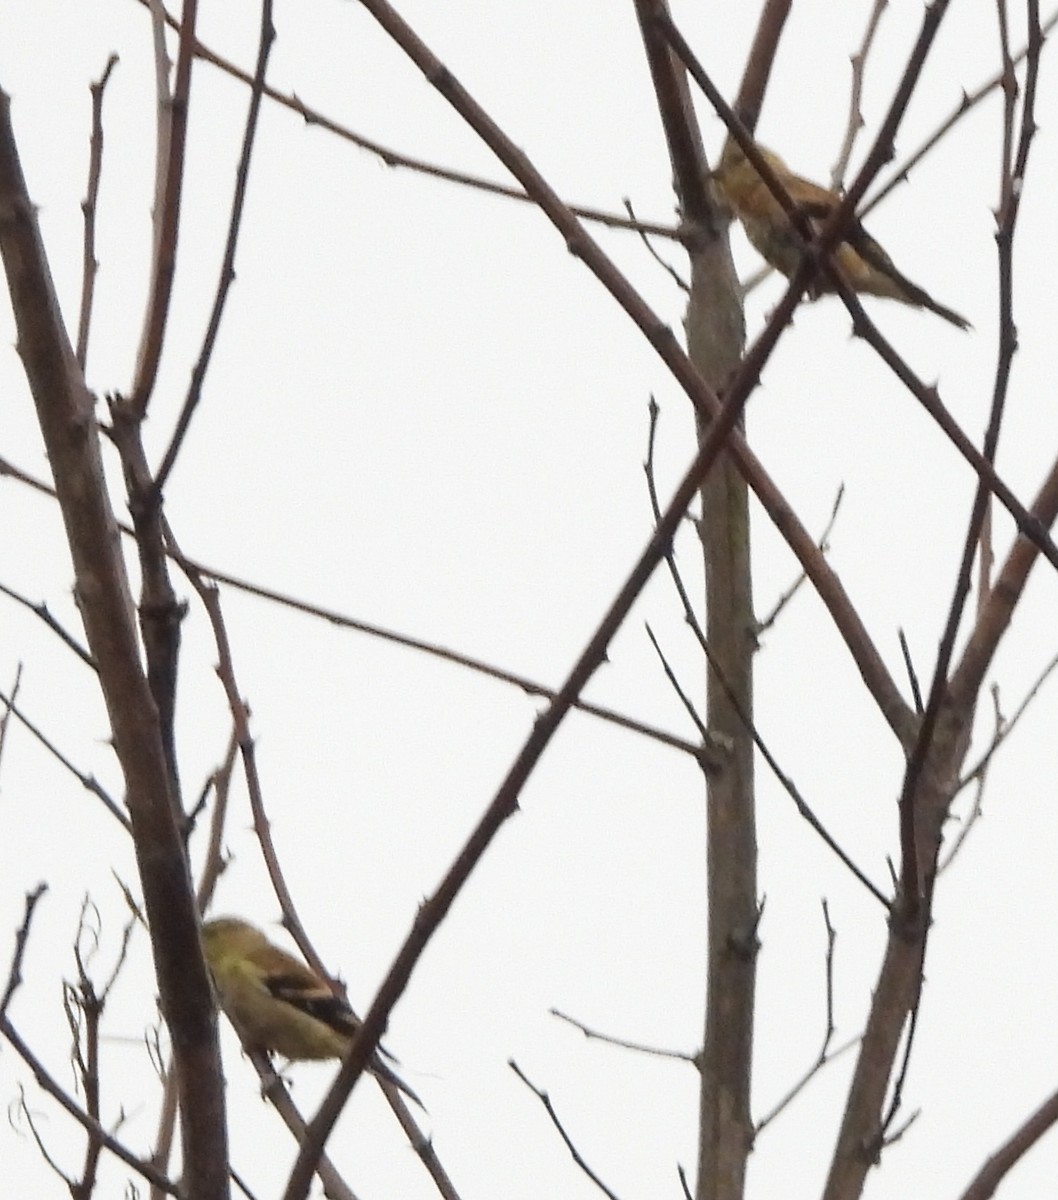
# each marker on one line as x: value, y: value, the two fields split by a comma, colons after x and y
x: 302, y: 990
x: 874, y: 255
x: 812, y: 199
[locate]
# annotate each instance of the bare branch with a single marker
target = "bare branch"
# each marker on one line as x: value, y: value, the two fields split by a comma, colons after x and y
x: 765, y: 623
x: 818, y: 248
x: 977, y: 807
x: 644, y: 236
x: 1012, y: 1151
x: 623, y: 1043
x: 859, y: 67
x: 343, y: 621
x: 719, y: 674
x: 676, y: 109
x: 48, y: 1084
x: 1009, y: 210
x: 227, y: 270
x: 277, y: 1094
x: 169, y: 178
x: 1001, y: 734
x: 88, y: 206
x: 14, y: 972
x: 681, y: 695
x: 41, y: 1074
x: 84, y: 1004
x: 393, y: 158
x: 549, y: 1108
x: 504, y: 803
x: 8, y: 703
x: 35, y: 1134
x: 994, y: 617
x: 88, y: 782
x: 912, y: 674
x: 42, y: 611
x: 825, y: 1055
x: 65, y: 414
x: 761, y: 57
x: 662, y: 339
x: 969, y: 101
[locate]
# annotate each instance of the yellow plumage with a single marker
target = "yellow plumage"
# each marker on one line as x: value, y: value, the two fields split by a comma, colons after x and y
x: 860, y: 261
x: 276, y: 1002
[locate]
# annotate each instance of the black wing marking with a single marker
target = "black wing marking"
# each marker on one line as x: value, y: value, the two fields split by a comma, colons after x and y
x: 321, y: 1004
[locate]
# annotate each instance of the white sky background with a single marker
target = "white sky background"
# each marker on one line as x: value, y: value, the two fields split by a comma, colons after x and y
x: 424, y: 412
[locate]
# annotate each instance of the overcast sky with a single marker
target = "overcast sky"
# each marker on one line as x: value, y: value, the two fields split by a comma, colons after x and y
x: 424, y: 413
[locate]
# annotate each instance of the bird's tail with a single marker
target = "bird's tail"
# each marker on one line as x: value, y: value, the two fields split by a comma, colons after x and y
x: 948, y: 314
x: 381, y: 1071
x: 906, y: 289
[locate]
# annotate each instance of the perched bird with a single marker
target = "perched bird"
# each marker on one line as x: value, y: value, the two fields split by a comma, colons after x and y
x: 859, y: 260
x: 276, y: 1002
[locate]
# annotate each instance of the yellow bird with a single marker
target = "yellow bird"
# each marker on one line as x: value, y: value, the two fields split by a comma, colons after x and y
x: 277, y: 1003
x: 859, y: 260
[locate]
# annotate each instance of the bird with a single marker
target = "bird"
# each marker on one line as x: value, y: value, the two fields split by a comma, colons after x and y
x: 858, y: 258
x: 279, y: 1004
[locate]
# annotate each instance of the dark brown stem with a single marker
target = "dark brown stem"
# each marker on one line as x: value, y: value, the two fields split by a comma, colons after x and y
x: 172, y: 137
x: 65, y: 414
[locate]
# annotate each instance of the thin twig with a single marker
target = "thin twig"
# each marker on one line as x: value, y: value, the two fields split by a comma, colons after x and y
x: 244, y: 1187
x: 14, y: 972
x: 825, y: 1055
x: 42, y: 611
x: 227, y: 270
x: 393, y: 158
x: 35, y: 1134
x: 969, y: 101
x: 761, y: 59
x: 765, y: 623
x: 887, y: 1134
x: 84, y: 1004
x: 859, y: 67
x: 213, y: 862
x: 8, y: 704
x: 277, y: 1094
x: 661, y: 338
x: 977, y: 807
x: 504, y: 802
x: 88, y: 206
x: 667, y: 267
x: 40, y: 1072
x: 623, y: 1043
x: 691, y: 618
x: 681, y: 694
x: 88, y: 782
x: 549, y: 1108
x: 982, y: 763
x: 169, y: 180
x: 1011, y: 189
x: 210, y: 600
x: 912, y: 674
x: 343, y: 621
x: 785, y: 1101
x: 48, y: 1084
x: 892, y: 1138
